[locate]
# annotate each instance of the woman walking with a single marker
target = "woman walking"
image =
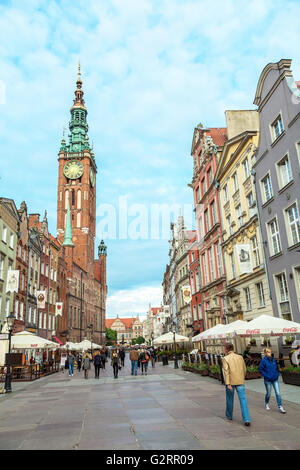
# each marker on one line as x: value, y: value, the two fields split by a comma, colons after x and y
x: 115, y: 363
x: 269, y: 370
x: 86, y: 364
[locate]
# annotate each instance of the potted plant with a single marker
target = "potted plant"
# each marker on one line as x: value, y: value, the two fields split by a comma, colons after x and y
x: 291, y: 375
x: 203, y: 369
x: 252, y: 373
x: 289, y: 340
x: 215, y: 371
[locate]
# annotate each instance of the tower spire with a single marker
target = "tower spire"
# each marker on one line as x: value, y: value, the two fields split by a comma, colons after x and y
x: 68, y: 229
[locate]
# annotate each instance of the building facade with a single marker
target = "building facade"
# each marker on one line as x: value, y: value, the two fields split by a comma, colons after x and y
x: 207, y: 147
x: 277, y: 178
x: 9, y: 229
x: 247, y: 294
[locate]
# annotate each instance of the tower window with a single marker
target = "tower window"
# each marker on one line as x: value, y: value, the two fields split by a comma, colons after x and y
x: 73, y: 197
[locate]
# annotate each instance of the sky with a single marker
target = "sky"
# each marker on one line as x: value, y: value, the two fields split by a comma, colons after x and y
x: 151, y: 71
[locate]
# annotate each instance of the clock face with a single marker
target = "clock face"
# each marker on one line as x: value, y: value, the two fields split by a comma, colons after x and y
x: 92, y: 177
x: 73, y: 170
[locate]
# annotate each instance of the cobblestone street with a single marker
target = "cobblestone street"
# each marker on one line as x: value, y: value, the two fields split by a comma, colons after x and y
x: 167, y: 409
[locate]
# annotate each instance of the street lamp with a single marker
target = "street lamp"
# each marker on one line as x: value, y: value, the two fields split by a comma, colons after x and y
x: 175, y: 356
x: 10, y: 323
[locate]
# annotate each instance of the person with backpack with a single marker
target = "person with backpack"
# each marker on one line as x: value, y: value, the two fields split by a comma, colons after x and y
x: 144, y: 358
x: 115, y: 363
x: 87, y: 358
x: 269, y: 370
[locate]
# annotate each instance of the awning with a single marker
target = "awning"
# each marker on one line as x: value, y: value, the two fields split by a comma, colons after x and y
x: 58, y: 340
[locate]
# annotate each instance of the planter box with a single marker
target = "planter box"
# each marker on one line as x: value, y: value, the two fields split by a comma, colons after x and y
x: 204, y: 372
x: 252, y: 375
x: 291, y: 378
x: 215, y: 375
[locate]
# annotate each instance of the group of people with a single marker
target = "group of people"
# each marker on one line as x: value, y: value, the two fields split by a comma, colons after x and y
x: 140, y: 358
x: 234, y: 368
x: 85, y: 360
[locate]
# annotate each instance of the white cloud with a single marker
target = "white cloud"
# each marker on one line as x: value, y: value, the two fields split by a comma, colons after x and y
x: 133, y: 301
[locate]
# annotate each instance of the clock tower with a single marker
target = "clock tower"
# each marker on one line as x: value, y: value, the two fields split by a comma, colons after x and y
x: 77, y: 185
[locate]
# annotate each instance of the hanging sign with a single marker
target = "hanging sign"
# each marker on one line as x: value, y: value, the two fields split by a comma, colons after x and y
x: 186, y: 292
x: 41, y: 299
x: 244, y: 256
x: 12, y: 284
x: 58, y: 308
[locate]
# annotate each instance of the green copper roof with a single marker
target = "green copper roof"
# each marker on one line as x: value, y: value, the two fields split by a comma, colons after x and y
x: 68, y: 229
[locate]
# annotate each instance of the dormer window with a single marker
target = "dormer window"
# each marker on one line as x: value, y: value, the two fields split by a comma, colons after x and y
x: 277, y: 127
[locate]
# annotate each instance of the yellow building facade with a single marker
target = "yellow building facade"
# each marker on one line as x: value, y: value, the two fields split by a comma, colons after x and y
x: 247, y: 290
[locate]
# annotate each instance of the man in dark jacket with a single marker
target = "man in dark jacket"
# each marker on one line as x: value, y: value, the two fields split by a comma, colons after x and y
x: 97, y: 364
x: 122, y: 356
x: 269, y: 370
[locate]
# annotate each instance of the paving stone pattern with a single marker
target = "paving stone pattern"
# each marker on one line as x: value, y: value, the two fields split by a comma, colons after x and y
x: 167, y: 409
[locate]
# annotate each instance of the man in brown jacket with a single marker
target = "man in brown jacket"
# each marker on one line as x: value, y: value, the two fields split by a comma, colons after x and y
x: 134, y: 357
x: 234, y: 375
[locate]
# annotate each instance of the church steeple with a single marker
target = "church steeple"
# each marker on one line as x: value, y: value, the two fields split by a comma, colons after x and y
x: 78, y: 140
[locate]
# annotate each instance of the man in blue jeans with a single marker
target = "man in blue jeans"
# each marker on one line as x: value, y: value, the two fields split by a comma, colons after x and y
x: 234, y: 376
x: 269, y: 370
x: 134, y: 356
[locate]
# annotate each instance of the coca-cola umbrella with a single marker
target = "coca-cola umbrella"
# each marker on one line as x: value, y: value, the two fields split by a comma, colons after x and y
x: 266, y: 325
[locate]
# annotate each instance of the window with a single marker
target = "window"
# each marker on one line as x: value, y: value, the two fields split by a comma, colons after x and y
x: 17, y: 309
x: 207, y: 226
x: 250, y: 200
x: 225, y: 193
x: 297, y: 283
x: 267, y: 188
x: 203, y: 186
x: 246, y: 168
x: 255, y: 251
x: 294, y: 224
x: 200, y: 312
x: 260, y: 293
x: 212, y: 265
x: 197, y: 281
x: 1, y: 267
x: 283, y: 296
x: 213, y: 213
x: 235, y: 182
x: 219, y: 259
x: 6, y: 308
x: 248, y: 298
x: 232, y: 264
x: 228, y: 219
x: 274, y: 237
x: 11, y: 240
x: 277, y: 128
x: 198, y: 197
x: 239, y: 215
x: 205, y: 268
x: 194, y: 313
x: 209, y: 177
x: 4, y: 233
x: 21, y: 311
x: 284, y: 172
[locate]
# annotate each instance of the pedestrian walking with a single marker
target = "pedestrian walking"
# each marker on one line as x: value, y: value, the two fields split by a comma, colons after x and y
x: 115, y: 363
x: 71, y: 360
x: 79, y: 361
x: 134, y: 357
x: 144, y: 358
x: 153, y: 357
x: 87, y: 358
x: 97, y: 364
x: 269, y: 370
x: 122, y: 357
x: 103, y: 358
x: 234, y: 375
